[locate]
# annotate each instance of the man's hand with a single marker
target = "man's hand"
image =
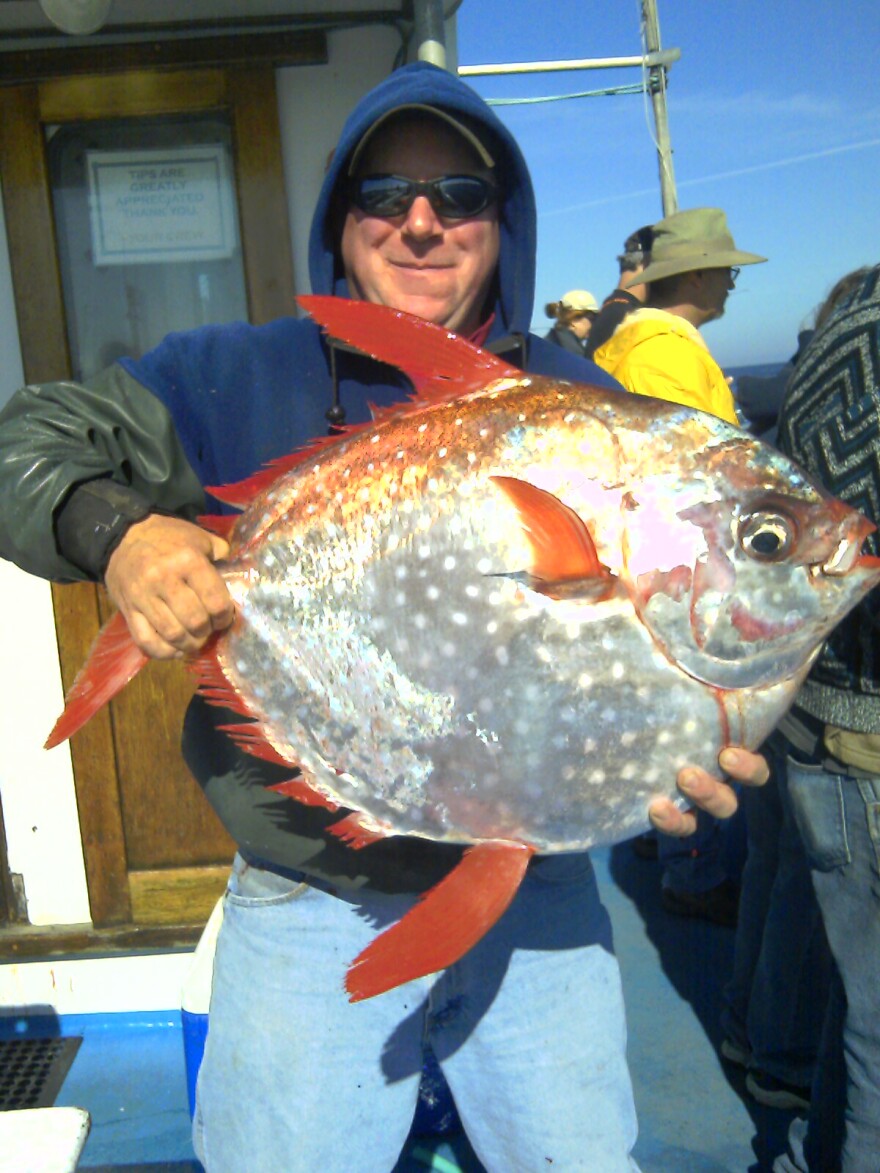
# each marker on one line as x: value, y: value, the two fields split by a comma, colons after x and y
x: 708, y: 792
x: 162, y: 578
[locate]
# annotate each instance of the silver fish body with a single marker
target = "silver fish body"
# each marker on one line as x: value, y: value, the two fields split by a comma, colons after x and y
x: 397, y: 638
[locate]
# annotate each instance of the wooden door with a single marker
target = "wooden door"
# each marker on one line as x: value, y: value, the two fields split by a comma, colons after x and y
x: 156, y: 856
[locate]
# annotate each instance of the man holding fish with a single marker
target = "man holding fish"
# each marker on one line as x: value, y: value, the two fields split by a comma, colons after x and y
x: 427, y: 207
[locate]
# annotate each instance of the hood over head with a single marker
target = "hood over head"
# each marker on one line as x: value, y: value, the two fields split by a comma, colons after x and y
x: 422, y: 84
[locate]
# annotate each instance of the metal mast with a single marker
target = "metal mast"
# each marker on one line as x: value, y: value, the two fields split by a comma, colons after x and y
x: 653, y: 61
x: 657, y: 90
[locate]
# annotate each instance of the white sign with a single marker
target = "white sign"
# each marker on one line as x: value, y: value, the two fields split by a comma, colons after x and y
x: 154, y: 205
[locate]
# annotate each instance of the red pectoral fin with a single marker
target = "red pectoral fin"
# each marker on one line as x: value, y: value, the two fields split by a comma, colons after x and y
x: 563, y: 550
x: 448, y: 921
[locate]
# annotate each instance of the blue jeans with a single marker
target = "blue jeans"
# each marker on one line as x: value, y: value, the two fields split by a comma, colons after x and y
x: 839, y: 820
x: 776, y: 998
x: 528, y: 1029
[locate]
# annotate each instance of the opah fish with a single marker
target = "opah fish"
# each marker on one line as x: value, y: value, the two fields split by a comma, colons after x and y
x: 505, y: 614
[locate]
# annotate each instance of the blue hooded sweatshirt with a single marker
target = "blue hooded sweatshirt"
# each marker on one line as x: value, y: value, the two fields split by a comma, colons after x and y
x: 241, y: 395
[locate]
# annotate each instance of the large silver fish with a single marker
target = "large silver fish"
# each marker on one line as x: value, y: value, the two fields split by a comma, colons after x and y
x: 508, y: 613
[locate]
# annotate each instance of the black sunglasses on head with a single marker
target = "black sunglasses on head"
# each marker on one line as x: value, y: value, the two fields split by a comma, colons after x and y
x: 455, y: 197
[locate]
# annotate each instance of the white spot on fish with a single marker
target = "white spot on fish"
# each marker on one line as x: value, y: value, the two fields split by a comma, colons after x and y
x: 433, y: 593
x: 484, y: 566
x: 441, y: 452
x: 420, y: 622
x: 449, y: 562
x: 472, y: 592
x: 459, y: 618
x: 502, y: 656
x: 617, y: 671
x: 596, y: 778
x: 585, y: 681
x: 491, y: 627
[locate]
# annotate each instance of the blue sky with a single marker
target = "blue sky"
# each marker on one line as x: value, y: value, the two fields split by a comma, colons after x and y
x: 774, y: 116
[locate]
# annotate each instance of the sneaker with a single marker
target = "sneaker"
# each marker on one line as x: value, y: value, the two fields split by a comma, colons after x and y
x: 775, y: 1093
x: 719, y: 905
x: 735, y: 1053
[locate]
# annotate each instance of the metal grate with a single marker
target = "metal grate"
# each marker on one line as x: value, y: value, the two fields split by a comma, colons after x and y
x: 33, y: 1070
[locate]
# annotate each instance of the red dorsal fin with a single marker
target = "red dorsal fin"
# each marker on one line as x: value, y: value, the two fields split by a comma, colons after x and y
x: 241, y: 493
x: 448, y: 921
x: 442, y: 365
x: 562, y: 548
x: 113, y: 660
x: 218, y: 523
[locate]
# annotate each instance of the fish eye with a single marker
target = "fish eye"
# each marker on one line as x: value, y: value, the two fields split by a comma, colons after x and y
x: 766, y: 536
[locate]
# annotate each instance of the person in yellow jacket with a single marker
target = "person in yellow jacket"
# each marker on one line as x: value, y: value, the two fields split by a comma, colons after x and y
x: 658, y: 350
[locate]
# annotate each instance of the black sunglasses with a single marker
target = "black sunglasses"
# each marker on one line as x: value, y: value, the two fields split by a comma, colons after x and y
x: 454, y: 197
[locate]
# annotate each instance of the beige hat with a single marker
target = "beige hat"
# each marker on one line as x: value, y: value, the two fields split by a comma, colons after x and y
x: 581, y: 300
x: 695, y: 239
x: 470, y: 136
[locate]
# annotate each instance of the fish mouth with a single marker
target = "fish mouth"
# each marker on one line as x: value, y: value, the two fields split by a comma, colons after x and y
x: 848, y: 555
x: 841, y: 562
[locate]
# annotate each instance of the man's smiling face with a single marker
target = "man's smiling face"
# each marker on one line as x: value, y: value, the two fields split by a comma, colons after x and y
x: 437, y: 268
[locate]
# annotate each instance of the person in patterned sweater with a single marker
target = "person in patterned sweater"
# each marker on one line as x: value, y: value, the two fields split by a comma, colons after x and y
x: 830, y: 424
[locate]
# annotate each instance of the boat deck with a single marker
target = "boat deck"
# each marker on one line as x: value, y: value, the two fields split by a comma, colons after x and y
x: 694, y: 1114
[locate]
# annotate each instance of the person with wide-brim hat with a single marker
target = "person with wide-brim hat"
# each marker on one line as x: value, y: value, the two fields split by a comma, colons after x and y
x: 658, y: 350
x: 692, y: 240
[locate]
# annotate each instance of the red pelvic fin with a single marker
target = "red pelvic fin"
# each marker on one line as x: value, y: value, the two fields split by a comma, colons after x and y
x: 213, y: 685
x: 448, y: 921
x: 303, y: 792
x: 357, y: 830
x: 113, y: 660
x: 251, y: 738
x: 563, y: 550
x: 441, y: 364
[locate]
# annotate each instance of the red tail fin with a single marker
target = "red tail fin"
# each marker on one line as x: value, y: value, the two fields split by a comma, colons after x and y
x: 113, y: 660
x: 448, y: 921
